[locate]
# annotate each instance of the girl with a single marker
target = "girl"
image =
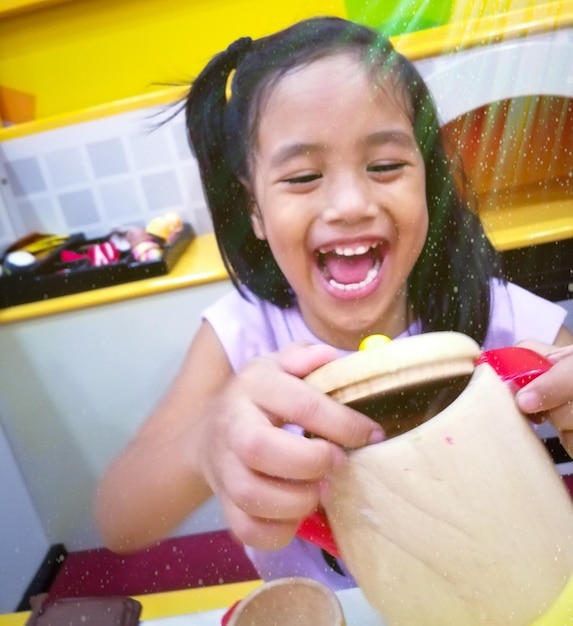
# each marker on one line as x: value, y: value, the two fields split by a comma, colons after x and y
x: 338, y: 215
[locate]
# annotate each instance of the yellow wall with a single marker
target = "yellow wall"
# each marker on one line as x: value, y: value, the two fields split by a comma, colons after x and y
x: 70, y: 55
x: 464, y: 10
x: 87, y: 52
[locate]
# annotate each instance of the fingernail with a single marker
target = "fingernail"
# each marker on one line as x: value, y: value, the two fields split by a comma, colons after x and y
x: 528, y: 401
x: 377, y: 436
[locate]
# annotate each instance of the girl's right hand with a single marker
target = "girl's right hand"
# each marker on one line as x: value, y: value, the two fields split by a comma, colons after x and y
x: 267, y: 478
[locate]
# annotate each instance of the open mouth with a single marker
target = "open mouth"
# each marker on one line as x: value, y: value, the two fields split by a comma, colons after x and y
x: 350, y: 268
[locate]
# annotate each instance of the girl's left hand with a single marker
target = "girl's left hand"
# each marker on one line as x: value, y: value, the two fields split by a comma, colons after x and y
x: 551, y: 394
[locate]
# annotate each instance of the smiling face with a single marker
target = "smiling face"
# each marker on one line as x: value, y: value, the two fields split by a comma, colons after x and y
x: 339, y: 188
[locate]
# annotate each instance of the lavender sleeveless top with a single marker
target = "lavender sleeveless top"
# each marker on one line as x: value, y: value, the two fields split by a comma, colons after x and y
x: 252, y: 328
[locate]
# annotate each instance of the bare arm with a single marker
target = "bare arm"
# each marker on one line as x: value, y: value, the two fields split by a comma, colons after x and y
x: 155, y: 483
x: 552, y: 393
x: 217, y: 432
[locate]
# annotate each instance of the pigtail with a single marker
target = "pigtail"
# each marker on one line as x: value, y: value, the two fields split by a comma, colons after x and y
x: 218, y: 125
x: 220, y: 156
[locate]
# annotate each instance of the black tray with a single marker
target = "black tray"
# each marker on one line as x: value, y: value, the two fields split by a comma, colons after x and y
x: 50, y: 278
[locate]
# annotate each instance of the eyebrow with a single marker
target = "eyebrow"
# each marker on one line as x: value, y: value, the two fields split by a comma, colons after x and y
x: 293, y: 150
x: 398, y: 137
x: 379, y: 138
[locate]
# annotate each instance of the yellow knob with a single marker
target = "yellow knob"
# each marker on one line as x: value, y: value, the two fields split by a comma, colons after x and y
x: 374, y: 341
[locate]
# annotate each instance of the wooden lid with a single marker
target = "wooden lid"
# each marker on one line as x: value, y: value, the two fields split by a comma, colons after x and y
x: 401, y: 364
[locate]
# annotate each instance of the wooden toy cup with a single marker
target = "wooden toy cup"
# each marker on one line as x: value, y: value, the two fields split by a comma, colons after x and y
x: 294, y: 601
x: 461, y: 519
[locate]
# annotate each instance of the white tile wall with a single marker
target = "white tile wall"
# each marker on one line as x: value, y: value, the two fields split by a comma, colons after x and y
x: 66, y: 167
x: 94, y: 176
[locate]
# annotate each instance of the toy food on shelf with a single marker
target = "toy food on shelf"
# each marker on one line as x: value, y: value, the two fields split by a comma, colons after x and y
x: 24, y: 254
x: 64, y: 265
x: 144, y: 247
x: 166, y: 226
x: 97, y: 254
x: 38, y: 244
x: 18, y: 261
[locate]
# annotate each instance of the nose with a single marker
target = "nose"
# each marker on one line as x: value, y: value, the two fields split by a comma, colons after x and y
x: 348, y: 200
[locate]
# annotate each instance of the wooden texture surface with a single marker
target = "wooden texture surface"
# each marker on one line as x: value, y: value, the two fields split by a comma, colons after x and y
x: 461, y: 520
x: 289, y: 602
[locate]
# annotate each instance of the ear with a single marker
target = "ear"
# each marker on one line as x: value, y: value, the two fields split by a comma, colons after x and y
x: 257, y: 221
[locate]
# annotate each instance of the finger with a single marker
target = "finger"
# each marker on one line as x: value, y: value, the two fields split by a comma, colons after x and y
x: 354, y: 430
x: 552, y: 352
x: 299, y: 403
x: 282, y: 454
x: 537, y: 346
x: 562, y: 417
x: 259, y: 533
x: 270, y: 492
x: 557, y: 354
x: 272, y: 498
x: 301, y: 358
x: 548, y: 391
x: 324, y: 417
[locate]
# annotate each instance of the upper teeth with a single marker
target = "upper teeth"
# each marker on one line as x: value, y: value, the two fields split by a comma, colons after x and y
x: 347, y: 251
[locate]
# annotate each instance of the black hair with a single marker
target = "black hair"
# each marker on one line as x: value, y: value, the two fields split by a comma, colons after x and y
x: 448, y: 288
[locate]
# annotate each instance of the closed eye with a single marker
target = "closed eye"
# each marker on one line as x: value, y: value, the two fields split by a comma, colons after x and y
x: 386, y: 167
x: 301, y: 180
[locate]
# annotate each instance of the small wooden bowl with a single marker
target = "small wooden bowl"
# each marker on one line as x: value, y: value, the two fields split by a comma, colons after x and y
x: 294, y: 601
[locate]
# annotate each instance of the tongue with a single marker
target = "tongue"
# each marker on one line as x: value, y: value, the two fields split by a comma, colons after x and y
x: 348, y: 269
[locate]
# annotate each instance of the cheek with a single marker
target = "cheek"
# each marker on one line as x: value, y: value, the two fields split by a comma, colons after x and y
x: 415, y: 217
x: 422, y: 226
x: 420, y: 217
x: 414, y: 233
x: 286, y: 242
x: 282, y: 226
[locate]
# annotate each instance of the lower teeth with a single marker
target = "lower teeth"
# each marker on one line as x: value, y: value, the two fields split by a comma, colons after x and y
x: 372, y: 273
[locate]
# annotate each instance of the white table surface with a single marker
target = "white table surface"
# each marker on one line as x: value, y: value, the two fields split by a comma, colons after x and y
x: 357, y: 612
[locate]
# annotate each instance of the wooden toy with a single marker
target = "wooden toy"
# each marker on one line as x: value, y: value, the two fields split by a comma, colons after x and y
x: 294, y: 601
x: 460, y: 517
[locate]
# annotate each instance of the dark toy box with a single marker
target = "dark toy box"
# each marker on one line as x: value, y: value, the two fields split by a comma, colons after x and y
x: 51, y: 278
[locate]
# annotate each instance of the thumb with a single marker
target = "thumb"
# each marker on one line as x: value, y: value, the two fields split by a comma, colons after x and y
x: 550, y: 390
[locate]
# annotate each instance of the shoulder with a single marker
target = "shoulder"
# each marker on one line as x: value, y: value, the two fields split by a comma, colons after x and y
x: 517, y: 314
x: 249, y: 326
